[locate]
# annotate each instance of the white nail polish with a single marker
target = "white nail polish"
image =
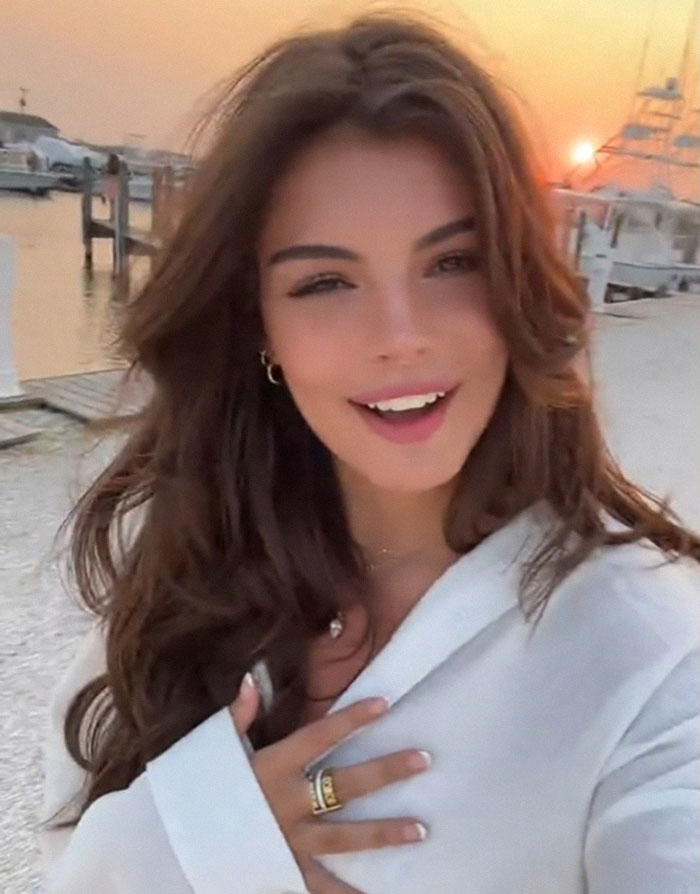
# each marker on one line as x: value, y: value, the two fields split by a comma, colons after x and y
x: 422, y: 831
x: 428, y: 758
x: 415, y: 832
x: 247, y: 684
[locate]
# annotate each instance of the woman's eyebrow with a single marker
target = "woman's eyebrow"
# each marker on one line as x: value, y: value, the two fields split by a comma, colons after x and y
x: 463, y: 225
x: 303, y: 252
x: 337, y: 252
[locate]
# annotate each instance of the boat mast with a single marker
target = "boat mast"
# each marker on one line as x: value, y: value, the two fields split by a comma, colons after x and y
x: 662, y: 131
x: 688, y: 140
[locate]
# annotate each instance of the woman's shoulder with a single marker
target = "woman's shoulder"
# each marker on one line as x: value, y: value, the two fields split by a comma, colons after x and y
x: 644, y: 599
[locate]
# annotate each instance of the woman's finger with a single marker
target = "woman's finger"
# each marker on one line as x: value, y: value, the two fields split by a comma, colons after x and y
x: 358, y: 780
x: 366, y: 835
x: 320, y: 881
x: 245, y: 708
x: 310, y: 743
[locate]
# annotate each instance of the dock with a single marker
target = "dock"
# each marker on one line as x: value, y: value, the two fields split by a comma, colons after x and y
x: 90, y: 397
x: 138, y: 242
x: 166, y: 199
x: 103, y: 397
x: 15, y: 430
x: 94, y: 398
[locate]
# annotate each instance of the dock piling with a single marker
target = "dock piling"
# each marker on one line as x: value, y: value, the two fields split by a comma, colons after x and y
x: 86, y: 210
x: 121, y: 222
x: 166, y: 200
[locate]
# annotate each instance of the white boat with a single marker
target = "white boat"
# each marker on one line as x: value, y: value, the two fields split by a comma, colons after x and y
x: 649, y: 239
x: 640, y: 238
x: 141, y: 188
x: 19, y: 172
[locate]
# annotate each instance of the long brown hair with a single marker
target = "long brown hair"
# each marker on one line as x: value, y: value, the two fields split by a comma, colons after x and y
x: 217, y: 536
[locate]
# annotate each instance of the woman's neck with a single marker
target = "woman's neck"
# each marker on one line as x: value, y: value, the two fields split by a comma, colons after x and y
x: 402, y: 538
x: 397, y: 530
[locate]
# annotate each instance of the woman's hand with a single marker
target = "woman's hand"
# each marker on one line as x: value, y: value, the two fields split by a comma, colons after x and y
x: 280, y: 769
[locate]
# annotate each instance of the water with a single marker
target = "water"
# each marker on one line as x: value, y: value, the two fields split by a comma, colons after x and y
x: 63, y: 319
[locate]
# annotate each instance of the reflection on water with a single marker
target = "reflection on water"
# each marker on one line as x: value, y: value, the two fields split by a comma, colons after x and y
x: 64, y: 317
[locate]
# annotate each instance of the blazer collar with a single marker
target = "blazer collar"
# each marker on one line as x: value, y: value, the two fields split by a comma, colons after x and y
x: 474, y: 592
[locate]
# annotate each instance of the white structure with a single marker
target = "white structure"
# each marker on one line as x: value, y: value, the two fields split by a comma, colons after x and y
x: 61, y: 153
x: 648, y: 241
x: 644, y: 229
x: 17, y: 126
x: 599, y: 273
x: 9, y: 384
x: 25, y: 171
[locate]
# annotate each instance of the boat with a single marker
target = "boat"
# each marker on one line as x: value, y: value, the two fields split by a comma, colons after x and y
x: 635, y: 230
x: 20, y: 171
x: 140, y: 187
x: 647, y: 240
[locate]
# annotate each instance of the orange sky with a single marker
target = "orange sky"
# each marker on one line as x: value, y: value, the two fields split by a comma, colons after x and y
x: 105, y: 68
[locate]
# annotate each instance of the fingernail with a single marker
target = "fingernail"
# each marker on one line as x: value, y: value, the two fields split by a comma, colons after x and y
x: 415, y: 832
x: 422, y: 760
x: 247, y: 685
x: 379, y: 706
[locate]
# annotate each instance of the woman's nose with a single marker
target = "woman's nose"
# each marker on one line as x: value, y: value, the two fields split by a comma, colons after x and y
x: 399, y: 327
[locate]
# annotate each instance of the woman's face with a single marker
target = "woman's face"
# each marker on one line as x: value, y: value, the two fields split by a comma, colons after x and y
x: 372, y: 293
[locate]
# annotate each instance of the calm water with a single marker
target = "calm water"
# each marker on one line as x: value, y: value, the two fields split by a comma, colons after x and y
x: 63, y: 319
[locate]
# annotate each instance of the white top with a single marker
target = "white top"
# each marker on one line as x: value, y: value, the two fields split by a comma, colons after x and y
x: 564, y: 762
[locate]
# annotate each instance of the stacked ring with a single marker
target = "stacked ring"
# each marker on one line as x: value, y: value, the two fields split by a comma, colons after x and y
x: 323, y: 796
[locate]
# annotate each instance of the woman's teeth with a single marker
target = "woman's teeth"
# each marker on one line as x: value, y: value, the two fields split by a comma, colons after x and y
x: 410, y: 402
x: 406, y: 408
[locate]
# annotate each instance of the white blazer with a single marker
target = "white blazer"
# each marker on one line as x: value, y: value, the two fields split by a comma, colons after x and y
x: 564, y: 762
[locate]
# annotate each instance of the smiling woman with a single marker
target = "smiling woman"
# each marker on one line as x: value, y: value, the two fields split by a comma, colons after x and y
x: 409, y: 499
x: 390, y: 305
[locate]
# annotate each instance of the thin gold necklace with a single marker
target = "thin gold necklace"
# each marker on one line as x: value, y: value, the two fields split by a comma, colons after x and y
x: 337, y: 625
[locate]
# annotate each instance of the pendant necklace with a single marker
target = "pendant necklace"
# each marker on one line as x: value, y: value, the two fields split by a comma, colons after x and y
x: 337, y: 625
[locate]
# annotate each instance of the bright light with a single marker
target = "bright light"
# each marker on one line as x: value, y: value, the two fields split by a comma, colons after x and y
x: 583, y: 152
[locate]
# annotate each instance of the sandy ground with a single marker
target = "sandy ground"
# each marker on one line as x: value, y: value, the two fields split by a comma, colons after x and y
x: 647, y: 372
x: 647, y: 375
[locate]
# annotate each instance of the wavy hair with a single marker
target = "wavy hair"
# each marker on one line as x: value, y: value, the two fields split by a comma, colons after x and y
x: 217, y: 535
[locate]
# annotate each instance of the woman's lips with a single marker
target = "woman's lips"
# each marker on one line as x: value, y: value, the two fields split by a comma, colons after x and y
x: 407, y: 431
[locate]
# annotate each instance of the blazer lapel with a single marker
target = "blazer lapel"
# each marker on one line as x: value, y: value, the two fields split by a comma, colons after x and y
x: 474, y: 592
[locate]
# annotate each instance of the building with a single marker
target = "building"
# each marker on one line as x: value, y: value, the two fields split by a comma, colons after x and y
x: 16, y: 127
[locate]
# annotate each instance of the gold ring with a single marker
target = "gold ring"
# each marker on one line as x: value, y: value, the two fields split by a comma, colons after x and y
x: 323, y: 796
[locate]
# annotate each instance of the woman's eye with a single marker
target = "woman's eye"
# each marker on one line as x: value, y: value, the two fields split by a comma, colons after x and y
x: 324, y: 282
x: 457, y: 262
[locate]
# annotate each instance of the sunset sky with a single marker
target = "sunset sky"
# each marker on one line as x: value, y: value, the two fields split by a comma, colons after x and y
x: 103, y: 69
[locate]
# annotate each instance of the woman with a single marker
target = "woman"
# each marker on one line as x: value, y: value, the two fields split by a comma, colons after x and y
x: 371, y: 469
x: 110, y: 183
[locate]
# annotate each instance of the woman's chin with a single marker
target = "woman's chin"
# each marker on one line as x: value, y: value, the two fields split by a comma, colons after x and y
x: 409, y: 479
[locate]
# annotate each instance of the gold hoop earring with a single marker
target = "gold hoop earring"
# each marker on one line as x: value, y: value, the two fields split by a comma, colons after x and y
x: 269, y: 367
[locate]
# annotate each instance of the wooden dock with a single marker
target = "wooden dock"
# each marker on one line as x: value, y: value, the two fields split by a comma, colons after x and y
x: 91, y: 397
x: 14, y: 430
x: 138, y: 242
x: 94, y: 398
x: 166, y: 199
x: 103, y: 396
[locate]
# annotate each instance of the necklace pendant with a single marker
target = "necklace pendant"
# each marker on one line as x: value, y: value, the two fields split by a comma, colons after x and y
x: 337, y: 626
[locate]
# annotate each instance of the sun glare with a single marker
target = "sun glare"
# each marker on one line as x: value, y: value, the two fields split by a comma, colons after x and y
x: 583, y: 152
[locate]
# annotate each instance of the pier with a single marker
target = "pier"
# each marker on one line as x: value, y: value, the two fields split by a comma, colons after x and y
x: 98, y: 399
x: 91, y: 397
x: 167, y: 192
